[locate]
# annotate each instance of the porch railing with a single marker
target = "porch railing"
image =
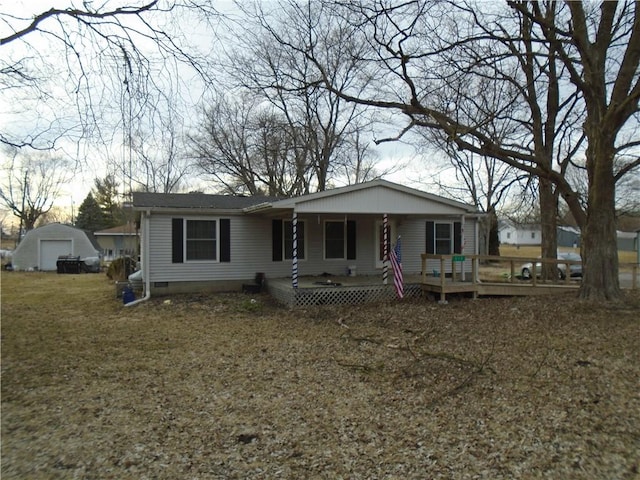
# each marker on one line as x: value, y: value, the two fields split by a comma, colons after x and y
x: 455, y: 264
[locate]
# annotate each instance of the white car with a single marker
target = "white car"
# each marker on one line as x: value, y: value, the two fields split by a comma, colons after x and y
x: 575, y: 269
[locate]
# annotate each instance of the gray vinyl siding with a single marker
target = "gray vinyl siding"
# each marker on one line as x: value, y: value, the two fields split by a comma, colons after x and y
x: 378, y: 199
x: 250, y: 251
x: 251, y: 248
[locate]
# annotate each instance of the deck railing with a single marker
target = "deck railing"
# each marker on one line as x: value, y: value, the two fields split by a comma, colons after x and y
x: 457, y: 268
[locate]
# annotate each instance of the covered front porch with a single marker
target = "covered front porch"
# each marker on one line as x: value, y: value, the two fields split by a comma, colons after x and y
x: 348, y: 245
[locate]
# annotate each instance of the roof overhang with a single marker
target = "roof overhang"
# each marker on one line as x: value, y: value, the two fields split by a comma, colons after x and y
x: 372, y: 198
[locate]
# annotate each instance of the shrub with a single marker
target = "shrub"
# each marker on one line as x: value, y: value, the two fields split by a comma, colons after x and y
x: 121, y: 268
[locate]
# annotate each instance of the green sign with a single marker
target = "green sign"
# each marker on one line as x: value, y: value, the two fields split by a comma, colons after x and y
x: 458, y: 258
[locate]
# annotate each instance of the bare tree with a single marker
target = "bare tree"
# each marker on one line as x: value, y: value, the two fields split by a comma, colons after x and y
x: 544, y: 73
x: 330, y: 133
x: 31, y: 184
x: 486, y: 183
x: 249, y: 148
x: 69, y: 64
x: 601, y: 52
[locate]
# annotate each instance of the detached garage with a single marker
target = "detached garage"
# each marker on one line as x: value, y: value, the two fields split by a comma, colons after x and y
x: 41, y: 247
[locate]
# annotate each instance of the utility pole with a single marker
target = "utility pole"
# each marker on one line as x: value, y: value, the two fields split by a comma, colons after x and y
x: 24, y: 193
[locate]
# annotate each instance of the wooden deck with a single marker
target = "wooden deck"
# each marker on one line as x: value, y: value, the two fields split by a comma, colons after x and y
x: 444, y: 286
x: 456, y: 277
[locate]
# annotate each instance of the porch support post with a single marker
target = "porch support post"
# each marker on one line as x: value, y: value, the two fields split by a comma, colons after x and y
x: 385, y: 248
x: 294, y: 262
x: 462, y: 244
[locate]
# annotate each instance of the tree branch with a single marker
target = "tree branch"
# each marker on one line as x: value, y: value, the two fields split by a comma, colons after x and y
x: 78, y: 15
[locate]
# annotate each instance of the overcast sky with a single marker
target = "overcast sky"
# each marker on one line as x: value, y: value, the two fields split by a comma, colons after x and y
x: 25, y: 110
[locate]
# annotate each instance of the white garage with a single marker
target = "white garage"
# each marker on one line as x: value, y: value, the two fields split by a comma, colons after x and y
x: 41, y: 247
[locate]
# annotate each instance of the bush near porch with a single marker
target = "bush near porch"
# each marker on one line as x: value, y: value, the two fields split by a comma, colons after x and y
x: 234, y: 386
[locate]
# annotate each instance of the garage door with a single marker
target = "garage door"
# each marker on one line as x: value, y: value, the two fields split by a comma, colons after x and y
x: 50, y: 250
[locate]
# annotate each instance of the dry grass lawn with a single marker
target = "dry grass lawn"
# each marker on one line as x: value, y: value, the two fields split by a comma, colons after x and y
x: 223, y: 387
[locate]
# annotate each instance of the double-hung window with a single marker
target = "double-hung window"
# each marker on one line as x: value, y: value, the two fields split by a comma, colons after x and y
x: 444, y: 238
x: 201, y: 240
x: 340, y: 240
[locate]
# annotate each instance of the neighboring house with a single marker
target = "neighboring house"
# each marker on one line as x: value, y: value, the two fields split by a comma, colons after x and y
x: 512, y: 233
x: 41, y: 247
x: 118, y: 241
x: 530, y: 234
x: 626, y: 241
x: 568, y: 236
x: 192, y: 242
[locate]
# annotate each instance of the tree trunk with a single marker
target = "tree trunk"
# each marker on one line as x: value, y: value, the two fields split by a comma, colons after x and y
x: 548, y: 227
x: 599, y: 240
x: 493, y: 238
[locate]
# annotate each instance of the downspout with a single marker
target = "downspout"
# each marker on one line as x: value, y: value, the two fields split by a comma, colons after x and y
x: 145, y: 261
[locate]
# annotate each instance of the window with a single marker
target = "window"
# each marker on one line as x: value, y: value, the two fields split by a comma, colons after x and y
x: 282, y: 240
x: 334, y: 239
x: 508, y: 235
x: 340, y: 239
x: 201, y: 240
x: 443, y: 238
x: 533, y: 235
x: 288, y: 239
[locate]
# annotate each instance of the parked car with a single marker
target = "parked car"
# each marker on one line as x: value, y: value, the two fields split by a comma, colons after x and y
x: 575, y: 269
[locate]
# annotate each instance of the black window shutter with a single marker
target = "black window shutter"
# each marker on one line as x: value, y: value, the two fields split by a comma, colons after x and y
x: 457, y: 237
x: 225, y: 240
x: 351, y: 240
x: 276, y: 240
x: 431, y: 242
x: 177, y: 240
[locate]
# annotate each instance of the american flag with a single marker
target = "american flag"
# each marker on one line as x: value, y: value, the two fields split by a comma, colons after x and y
x: 396, y: 264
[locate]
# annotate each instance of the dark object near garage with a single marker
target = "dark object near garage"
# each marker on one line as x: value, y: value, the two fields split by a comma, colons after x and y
x: 69, y: 264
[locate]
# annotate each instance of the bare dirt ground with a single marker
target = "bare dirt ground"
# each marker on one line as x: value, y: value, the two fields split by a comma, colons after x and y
x: 235, y: 387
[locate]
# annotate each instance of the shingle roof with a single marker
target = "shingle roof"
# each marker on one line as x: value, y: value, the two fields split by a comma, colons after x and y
x: 127, y: 228
x: 196, y: 200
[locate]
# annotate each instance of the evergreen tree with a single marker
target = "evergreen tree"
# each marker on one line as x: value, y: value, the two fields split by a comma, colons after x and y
x: 90, y: 215
x: 105, y: 192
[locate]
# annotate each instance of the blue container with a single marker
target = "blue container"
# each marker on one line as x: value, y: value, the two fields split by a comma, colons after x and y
x: 127, y: 295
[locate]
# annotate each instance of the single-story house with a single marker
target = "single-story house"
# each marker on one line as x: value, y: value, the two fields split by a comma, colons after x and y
x: 118, y: 241
x: 41, y: 247
x: 511, y: 233
x: 195, y: 242
x: 568, y: 236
